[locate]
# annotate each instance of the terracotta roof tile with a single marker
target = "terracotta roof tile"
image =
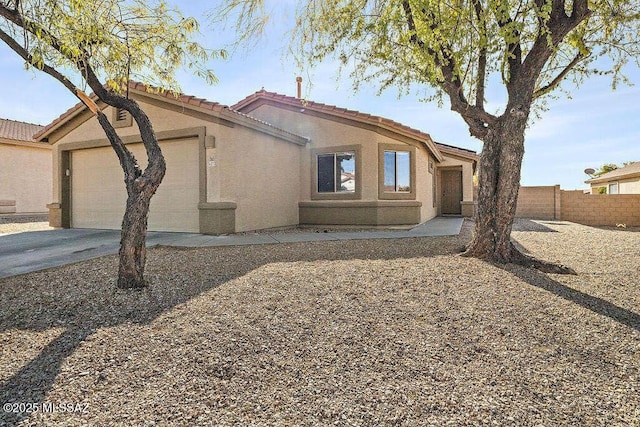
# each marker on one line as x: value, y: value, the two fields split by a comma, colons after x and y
x: 457, y: 150
x: 329, y: 109
x: 365, y: 117
x: 19, y: 131
x: 183, y: 98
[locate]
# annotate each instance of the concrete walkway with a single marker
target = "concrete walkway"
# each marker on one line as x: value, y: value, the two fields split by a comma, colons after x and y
x: 38, y: 250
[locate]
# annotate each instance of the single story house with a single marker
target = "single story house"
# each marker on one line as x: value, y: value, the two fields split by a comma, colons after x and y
x: 25, y: 169
x: 268, y: 161
x: 624, y: 180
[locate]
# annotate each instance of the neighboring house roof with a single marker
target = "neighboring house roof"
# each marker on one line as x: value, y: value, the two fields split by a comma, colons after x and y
x: 18, y: 131
x: 186, y: 101
x: 263, y: 96
x: 628, y: 171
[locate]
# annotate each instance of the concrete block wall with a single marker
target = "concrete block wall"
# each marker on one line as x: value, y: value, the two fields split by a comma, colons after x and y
x: 539, y: 202
x: 549, y: 202
x: 601, y: 209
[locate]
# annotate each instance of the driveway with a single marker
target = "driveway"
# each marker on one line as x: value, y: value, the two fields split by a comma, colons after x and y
x: 38, y: 250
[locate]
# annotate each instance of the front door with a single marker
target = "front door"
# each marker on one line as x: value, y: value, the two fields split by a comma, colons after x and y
x: 451, y: 192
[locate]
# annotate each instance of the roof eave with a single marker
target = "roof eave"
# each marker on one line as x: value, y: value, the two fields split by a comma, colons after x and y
x: 251, y: 123
x: 423, y: 138
x: 185, y: 101
x: 602, y: 180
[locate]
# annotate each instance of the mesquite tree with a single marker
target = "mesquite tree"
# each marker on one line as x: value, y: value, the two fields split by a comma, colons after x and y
x: 102, y: 45
x: 466, y: 50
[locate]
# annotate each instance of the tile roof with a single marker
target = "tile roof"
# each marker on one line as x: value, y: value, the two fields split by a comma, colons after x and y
x: 19, y: 131
x: 451, y: 149
x: 354, y: 115
x: 179, y: 98
x: 631, y: 169
x: 79, y: 107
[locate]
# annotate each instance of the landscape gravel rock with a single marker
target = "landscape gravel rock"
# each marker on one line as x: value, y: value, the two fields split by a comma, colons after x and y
x: 22, y: 223
x: 352, y: 333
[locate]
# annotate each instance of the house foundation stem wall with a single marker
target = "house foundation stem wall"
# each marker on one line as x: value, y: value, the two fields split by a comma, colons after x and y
x: 360, y: 213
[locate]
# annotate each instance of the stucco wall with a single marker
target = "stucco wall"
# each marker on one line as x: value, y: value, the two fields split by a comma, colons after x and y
x: 424, y: 180
x: 629, y: 186
x: 625, y: 186
x: 328, y: 133
x: 260, y: 173
x: 26, y: 177
x: 256, y: 171
x: 325, y: 133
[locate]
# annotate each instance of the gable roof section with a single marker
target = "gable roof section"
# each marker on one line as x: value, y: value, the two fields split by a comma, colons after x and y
x: 263, y: 97
x: 13, y: 132
x: 628, y: 171
x: 185, y: 102
x: 18, y: 131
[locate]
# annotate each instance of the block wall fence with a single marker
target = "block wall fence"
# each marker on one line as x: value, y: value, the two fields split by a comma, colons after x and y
x: 550, y: 202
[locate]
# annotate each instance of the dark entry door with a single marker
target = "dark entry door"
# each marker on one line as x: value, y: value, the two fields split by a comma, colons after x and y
x: 451, y: 192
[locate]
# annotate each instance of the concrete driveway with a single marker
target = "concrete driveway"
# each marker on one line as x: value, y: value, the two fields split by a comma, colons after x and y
x: 38, y: 250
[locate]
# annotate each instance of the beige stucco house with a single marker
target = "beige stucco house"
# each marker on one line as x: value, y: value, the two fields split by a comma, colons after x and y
x: 25, y: 169
x: 625, y: 180
x: 268, y: 161
x: 402, y: 176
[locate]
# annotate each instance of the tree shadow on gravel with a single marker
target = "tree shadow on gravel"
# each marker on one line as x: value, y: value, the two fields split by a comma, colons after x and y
x: 523, y: 224
x: 595, y: 304
x: 82, y: 298
x: 31, y: 383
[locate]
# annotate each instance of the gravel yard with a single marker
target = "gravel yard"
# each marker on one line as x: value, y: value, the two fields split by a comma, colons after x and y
x: 20, y: 223
x: 355, y: 333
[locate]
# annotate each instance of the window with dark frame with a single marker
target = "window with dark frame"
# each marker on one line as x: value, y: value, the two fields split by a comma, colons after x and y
x: 337, y: 172
x: 397, y: 171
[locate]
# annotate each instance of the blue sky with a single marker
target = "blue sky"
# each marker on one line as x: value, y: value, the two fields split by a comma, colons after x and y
x: 596, y: 126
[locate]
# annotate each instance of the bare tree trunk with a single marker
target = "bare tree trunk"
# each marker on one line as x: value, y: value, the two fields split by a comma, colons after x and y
x: 141, y: 186
x: 498, y: 184
x: 133, y: 251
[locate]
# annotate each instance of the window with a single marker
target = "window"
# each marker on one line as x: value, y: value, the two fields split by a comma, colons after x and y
x: 613, y: 188
x: 396, y: 171
x: 337, y: 172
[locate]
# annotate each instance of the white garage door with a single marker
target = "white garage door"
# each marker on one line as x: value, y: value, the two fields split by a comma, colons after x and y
x: 98, y: 194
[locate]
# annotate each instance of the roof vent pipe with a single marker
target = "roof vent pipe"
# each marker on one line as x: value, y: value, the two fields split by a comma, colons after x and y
x: 299, y: 81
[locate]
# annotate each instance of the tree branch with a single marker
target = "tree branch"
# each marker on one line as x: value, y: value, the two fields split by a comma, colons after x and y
x: 156, y: 161
x: 513, y: 51
x: 558, y: 79
x: 482, y: 55
x: 558, y: 26
x: 22, y: 52
x: 475, y: 116
x: 125, y: 156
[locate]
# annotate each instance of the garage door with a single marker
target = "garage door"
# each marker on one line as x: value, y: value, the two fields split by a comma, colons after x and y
x: 98, y: 194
